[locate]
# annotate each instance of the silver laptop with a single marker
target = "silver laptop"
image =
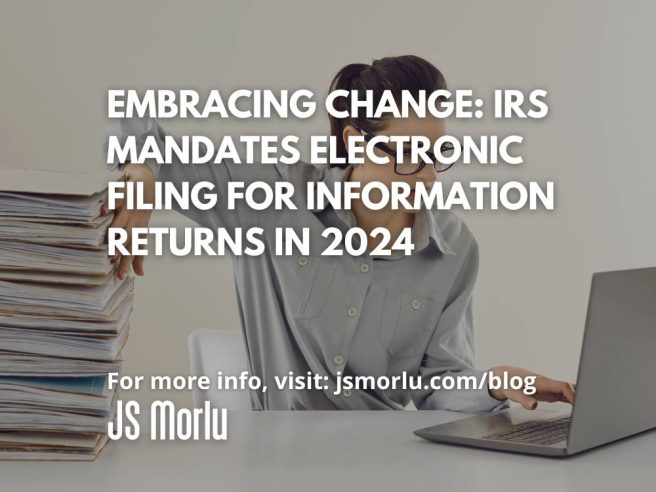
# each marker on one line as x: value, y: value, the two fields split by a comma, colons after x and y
x: 615, y: 390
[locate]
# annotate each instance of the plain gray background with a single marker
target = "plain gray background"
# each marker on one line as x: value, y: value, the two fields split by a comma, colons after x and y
x: 57, y: 59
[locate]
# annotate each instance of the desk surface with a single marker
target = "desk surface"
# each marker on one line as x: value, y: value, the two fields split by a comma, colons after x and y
x: 331, y: 451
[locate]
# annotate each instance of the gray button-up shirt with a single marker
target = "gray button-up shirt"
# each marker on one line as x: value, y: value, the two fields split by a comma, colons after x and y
x: 354, y: 315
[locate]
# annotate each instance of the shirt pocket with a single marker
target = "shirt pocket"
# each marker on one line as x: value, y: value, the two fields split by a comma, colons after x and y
x: 314, y: 279
x: 407, y: 323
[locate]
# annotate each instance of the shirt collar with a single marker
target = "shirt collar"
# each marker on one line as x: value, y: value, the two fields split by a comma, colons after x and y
x: 424, y: 229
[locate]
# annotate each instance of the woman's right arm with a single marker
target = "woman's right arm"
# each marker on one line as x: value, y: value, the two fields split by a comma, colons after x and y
x: 150, y: 172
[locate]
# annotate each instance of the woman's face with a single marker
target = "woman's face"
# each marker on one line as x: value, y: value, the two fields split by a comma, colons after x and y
x: 429, y: 127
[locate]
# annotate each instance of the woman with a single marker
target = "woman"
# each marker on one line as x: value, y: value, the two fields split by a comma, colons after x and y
x: 353, y: 315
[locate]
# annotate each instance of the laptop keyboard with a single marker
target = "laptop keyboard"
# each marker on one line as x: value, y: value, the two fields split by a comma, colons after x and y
x: 535, y: 432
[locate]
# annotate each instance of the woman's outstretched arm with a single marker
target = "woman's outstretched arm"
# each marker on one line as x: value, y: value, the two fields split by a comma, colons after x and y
x: 144, y: 129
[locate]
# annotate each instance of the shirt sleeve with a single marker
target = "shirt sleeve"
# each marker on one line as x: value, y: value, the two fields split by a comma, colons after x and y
x: 450, y: 351
x: 148, y: 129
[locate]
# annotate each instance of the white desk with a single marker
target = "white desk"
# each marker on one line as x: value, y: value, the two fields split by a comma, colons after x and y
x: 334, y: 451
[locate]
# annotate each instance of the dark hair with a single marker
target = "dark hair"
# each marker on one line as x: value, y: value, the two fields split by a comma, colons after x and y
x: 397, y: 73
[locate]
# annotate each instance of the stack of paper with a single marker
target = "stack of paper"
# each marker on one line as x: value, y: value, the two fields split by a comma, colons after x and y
x: 64, y: 315
x: 28, y: 405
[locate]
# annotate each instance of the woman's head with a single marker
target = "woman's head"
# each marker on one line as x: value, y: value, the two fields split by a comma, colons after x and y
x: 395, y: 74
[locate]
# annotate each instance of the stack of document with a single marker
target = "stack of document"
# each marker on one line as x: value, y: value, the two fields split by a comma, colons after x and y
x: 64, y: 315
x: 54, y: 418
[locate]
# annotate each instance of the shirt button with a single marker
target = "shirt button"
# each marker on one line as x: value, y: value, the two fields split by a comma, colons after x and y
x: 347, y: 393
x: 302, y: 261
x: 352, y: 312
x: 364, y: 268
x: 415, y: 304
x: 339, y: 359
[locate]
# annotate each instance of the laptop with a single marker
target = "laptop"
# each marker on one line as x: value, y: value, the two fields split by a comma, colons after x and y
x: 615, y: 390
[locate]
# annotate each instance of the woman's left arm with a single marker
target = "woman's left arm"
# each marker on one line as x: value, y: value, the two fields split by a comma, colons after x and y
x: 540, y: 388
x: 450, y: 355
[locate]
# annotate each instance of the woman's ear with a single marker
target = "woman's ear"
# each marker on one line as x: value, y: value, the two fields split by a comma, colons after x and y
x: 348, y: 132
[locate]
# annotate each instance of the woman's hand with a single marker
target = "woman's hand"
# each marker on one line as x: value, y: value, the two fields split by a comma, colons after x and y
x: 546, y: 389
x: 128, y: 219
